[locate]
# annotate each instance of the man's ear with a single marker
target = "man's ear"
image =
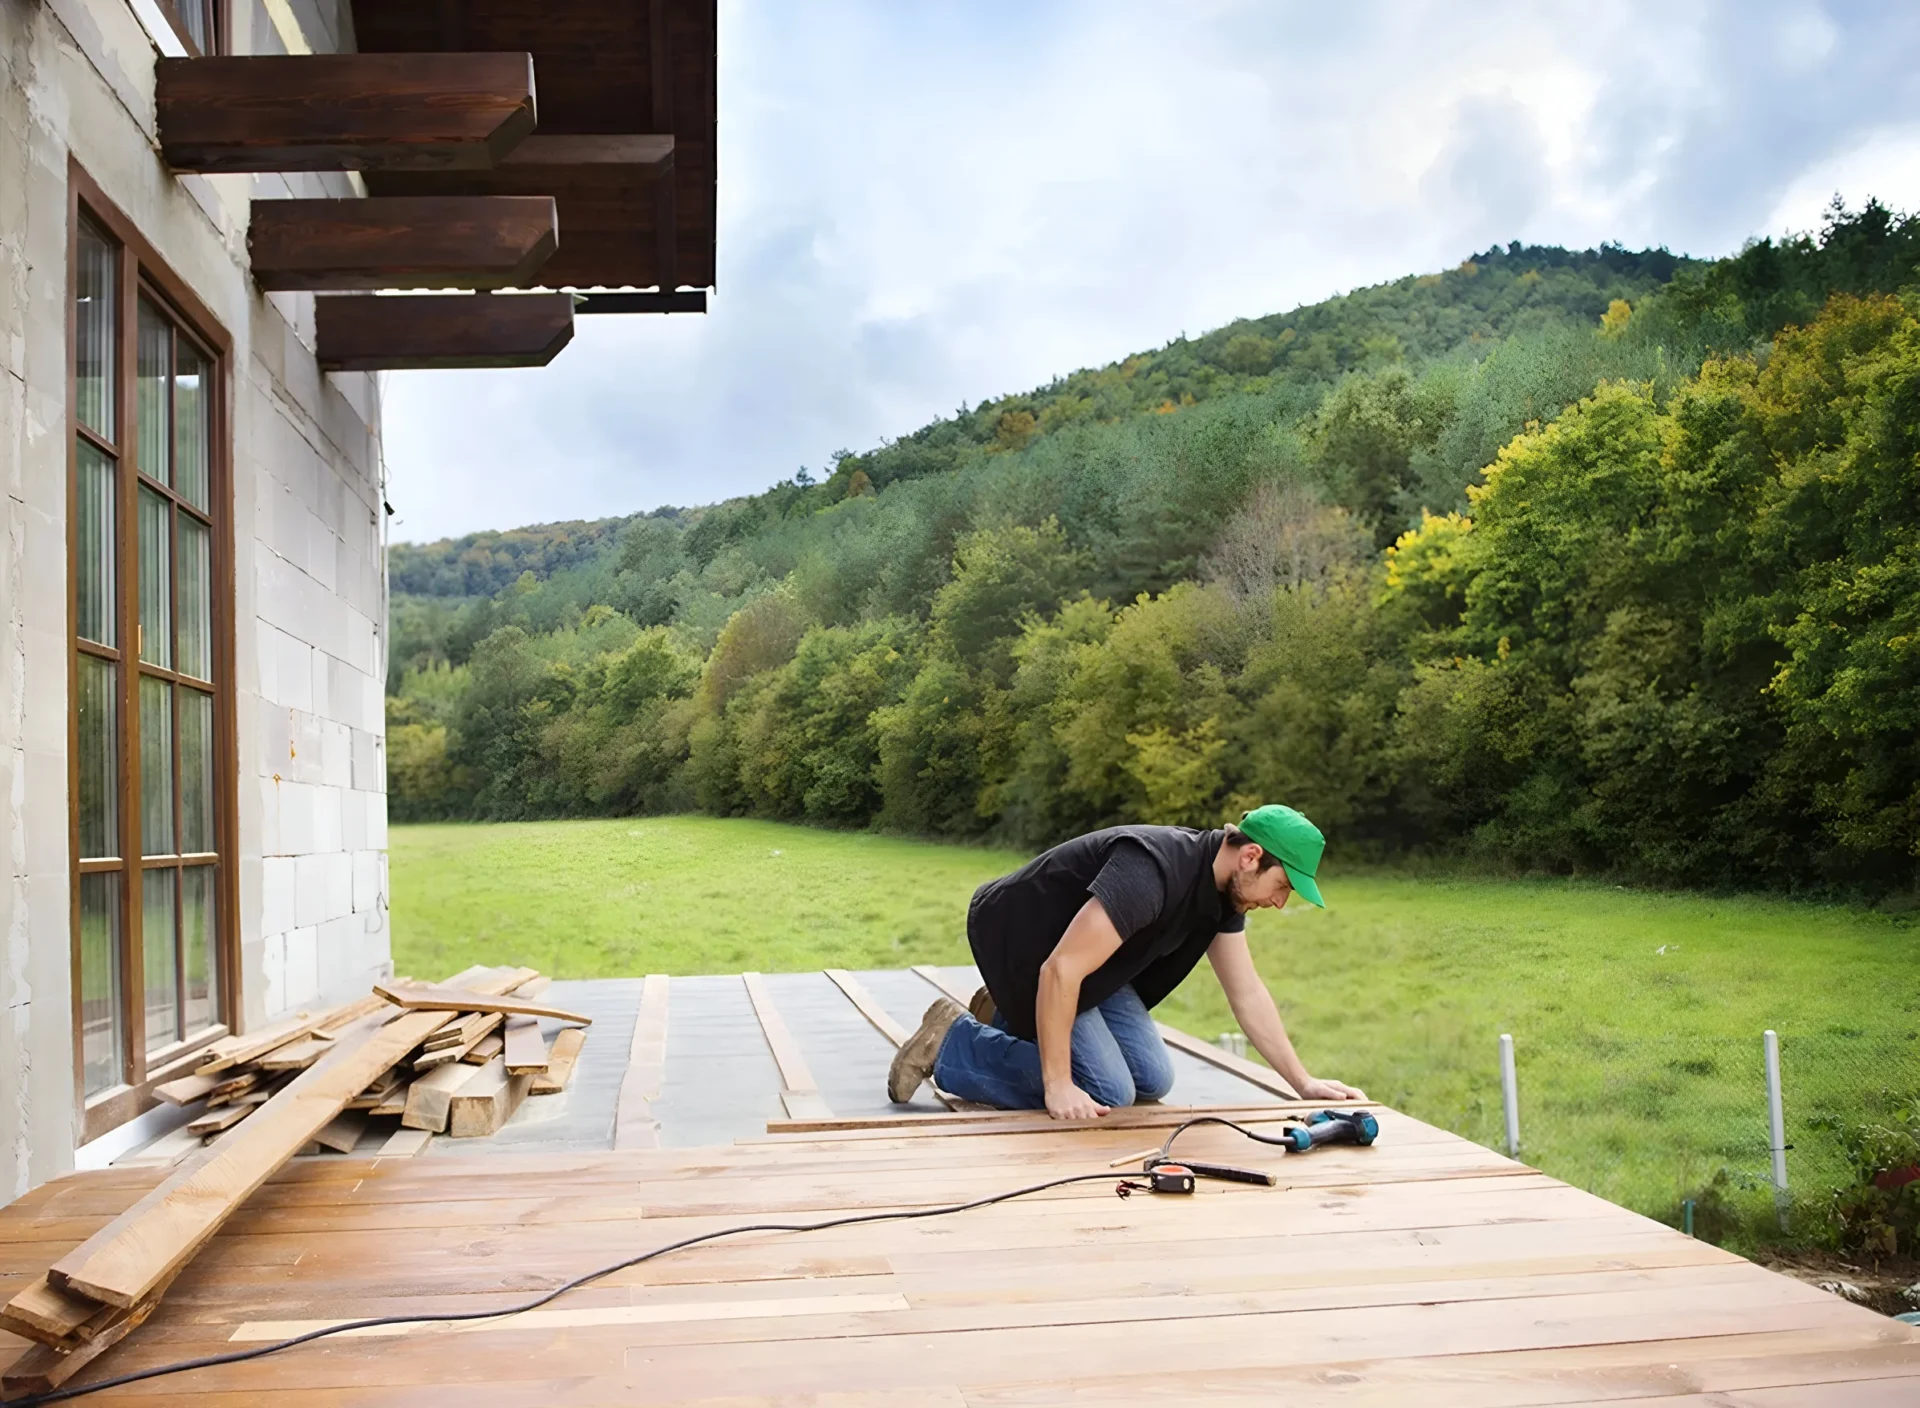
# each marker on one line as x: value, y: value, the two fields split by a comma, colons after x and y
x: 1251, y: 855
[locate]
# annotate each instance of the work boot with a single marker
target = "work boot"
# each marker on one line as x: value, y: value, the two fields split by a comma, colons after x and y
x: 913, y: 1062
x: 982, y: 1007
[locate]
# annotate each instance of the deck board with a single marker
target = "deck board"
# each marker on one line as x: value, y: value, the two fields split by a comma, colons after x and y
x: 1424, y: 1269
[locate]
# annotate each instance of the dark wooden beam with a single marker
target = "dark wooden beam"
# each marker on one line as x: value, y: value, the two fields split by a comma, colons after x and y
x: 648, y: 154
x: 436, y: 332
x: 343, y: 112
x: 666, y: 218
x: 475, y: 242
x: 684, y: 300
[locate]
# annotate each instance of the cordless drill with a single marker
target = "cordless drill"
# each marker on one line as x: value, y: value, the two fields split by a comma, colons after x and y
x: 1333, y: 1127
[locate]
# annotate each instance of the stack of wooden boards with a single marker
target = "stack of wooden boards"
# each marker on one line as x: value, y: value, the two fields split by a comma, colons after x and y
x: 457, y: 1056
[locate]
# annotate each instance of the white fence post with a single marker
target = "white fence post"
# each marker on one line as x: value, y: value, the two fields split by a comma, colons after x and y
x: 1777, y: 1124
x: 1510, y: 1089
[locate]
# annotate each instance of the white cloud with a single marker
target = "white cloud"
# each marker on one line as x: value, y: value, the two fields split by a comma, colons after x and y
x: 928, y: 204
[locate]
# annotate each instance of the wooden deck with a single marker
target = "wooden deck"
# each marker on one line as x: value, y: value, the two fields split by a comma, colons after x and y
x: 1426, y: 1270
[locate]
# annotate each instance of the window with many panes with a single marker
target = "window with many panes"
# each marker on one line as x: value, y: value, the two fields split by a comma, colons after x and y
x: 148, y: 821
x: 198, y: 23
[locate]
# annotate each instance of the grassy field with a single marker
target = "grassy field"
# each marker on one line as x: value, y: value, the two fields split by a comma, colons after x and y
x: 1637, y: 1016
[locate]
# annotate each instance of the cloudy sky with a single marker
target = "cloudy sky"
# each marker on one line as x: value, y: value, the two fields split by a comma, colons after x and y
x: 925, y: 204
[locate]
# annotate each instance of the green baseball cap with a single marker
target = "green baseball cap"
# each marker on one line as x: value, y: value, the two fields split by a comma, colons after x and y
x: 1292, y: 840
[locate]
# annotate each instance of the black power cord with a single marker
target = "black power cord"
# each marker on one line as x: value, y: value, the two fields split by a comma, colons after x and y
x: 61, y: 1395
x: 1166, y: 1149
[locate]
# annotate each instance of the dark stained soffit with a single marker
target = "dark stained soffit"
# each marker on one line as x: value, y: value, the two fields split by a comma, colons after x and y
x: 602, y: 68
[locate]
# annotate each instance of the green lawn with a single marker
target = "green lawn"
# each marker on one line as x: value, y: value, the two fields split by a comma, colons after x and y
x: 1637, y: 1016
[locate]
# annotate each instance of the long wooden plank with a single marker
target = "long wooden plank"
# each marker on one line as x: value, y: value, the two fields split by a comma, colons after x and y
x: 43, y: 1368
x: 138, y: 1251
x: 634, y: 1126
x: 186, y: 1089
x: 795, y: 1077
x: 561, y: 1058
x: 44, y: 1312
x: 858, y: 995
x: 1249, y: 1071
x: 231, y: 1051
x: 525, y: 1048
x: 425, y: 997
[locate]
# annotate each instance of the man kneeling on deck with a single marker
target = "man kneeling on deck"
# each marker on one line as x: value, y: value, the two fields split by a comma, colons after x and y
x: 1075, y: 946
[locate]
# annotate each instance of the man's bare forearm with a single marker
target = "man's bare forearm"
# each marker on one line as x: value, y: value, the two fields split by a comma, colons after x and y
x: 1054, y: 1008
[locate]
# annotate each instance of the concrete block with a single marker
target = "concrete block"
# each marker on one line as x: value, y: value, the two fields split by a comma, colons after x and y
x: 340, y: 968
x: 273, y: 974
x: 310, y: 890
x: 353, y: 822
x: 303, y: 967
x: 367, y: 875
x: 326, y: 810
x: 323, y: 553
x: 275, y: 732
x: 336, y: 754
x: 272, y: 841
x: 368, y: 776
x: 251, y: 868
x: 377, y: 820
x: 306, y: 751
x: 286, y: 669
x: 339, y: 879
x: 298, y: 827
x: 279, y: 904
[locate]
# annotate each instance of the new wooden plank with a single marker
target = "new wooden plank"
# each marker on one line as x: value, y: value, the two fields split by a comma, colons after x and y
x: 142, y: 1249
x: 44, y: 1312
x: 487, y: 1101
x: 231, y: 1051
x: 394, y: 1102
x: 943, y: 983
x: 430, y: 1097
x: 470, y: 1035
x: 794, y: 1075
x: 223, y: 1118
x: 858, y: 995
x: 470, y: 242
x: 404, y: 1143
x: 634, y: 1126
x: 561, y: 1057
x: 43, y: 1368
x: 294, y: 1056
x: 343, y: 112
x: 488, y: 1047
x: 414, y: 332
x: 187, y: 1089
x: 525, y: 1048
x: 343, y: 1131
x: 426, y: 997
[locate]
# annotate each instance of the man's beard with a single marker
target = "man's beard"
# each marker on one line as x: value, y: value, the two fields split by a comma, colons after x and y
x: 1236, y: 893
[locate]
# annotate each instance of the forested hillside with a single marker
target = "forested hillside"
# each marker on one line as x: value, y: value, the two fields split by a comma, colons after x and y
x: 1585, y: 560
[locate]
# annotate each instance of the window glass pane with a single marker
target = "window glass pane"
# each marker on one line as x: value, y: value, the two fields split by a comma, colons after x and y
x: 93, y: 323
x: 156, y: 573
x: 195, y: 588
x: 197, y: 947
x: 157, y: 949
x: 156, y: 767
x: 196, y: 771
x: 190, y: 437
x: 99, y: 708
x: 153, y: 368
x: 196, y: 21
x: 97, y: 544
x: 99, y: 981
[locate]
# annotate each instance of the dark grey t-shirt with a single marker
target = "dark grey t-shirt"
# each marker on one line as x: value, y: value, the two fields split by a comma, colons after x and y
x: 1156, y: 884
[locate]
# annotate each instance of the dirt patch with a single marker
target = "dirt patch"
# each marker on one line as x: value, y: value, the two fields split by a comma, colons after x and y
x: 1891, y: 1287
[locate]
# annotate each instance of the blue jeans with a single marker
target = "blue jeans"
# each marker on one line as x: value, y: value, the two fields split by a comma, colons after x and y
x: 1118, y: 1058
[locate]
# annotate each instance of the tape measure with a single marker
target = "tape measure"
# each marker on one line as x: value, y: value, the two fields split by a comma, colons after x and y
x: 1171, y: 1178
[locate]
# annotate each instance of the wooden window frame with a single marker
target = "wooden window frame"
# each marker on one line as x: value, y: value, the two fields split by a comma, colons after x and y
x: 220, y: 16
x: 140, y: 272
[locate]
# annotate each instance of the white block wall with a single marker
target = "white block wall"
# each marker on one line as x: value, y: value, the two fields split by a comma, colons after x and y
x: 76, y: 76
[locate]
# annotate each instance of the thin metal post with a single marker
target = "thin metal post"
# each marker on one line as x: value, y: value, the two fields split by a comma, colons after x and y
x: 1777, y: 1124
x: 1510, y: 1089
